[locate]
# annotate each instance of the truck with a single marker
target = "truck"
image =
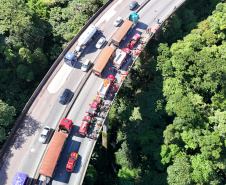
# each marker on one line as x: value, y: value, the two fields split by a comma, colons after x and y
x: 120, y: 58
x: 84, y: 126
x: 83, y: 40
x: 94, y: 106
x: 102, y: 60
x: 105, y: 85
x: 90, y: 33
x: 55, y: 147
x: 125, y: 29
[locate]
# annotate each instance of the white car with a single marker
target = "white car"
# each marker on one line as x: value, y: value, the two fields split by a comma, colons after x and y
x: 86, y: 65
x: 100, y: 42
x: 117, y: 21
x: 44, y: 134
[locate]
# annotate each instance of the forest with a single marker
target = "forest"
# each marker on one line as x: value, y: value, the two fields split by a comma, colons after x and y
x: 168, y: 123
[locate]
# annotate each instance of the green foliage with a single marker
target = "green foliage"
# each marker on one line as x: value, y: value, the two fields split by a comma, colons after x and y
x: 203, y: 171
x: 91, y: 175
x: 6, y: 119
x: 180, y: 171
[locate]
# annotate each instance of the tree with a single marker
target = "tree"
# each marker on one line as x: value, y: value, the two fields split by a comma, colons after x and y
x: 6, y: 119
x: 180, y: 171
x: 203, y: 169
x: 91, y: 175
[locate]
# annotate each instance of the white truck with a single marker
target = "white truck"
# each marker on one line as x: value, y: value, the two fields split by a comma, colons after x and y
x: 105, y: 85
x: 119, y: 59
x: 83, y: 40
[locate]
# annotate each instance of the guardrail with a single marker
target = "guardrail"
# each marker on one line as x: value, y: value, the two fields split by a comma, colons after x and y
x: 18, y: 125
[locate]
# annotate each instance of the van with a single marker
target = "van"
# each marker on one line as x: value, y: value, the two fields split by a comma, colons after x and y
x: 133, y: 5
x: 86, y: 65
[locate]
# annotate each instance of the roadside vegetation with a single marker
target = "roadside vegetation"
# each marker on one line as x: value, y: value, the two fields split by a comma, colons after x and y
x: 168, y: 124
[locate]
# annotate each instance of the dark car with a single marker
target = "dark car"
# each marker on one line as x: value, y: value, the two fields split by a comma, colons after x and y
x: 66, y: 96
x: 133, y: 5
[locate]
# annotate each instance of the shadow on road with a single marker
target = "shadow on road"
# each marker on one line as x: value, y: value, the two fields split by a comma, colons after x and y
x: 29, y: 129
x: 23, y: 131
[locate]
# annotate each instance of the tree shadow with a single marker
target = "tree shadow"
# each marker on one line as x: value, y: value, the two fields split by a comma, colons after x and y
x: 29, y: 129
x: 16, y: 141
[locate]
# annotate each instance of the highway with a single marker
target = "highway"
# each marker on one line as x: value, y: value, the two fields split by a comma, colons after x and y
x: 27, y: 151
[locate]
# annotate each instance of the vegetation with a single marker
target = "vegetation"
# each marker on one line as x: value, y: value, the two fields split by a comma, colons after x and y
x: 170, y: 115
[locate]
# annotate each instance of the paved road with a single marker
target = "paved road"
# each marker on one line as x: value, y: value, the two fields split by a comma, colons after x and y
x: 26, y: 153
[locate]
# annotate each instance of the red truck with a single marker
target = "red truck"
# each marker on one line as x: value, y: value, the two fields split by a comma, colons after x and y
x: 55, y: 147
x: 94, y: 105
x: 84, y: 126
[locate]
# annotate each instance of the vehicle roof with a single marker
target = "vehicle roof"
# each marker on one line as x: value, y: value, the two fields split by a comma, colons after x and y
x: 91, y: 29
x: 133, y: 16
x: 45, y: 131
x: 119, y: 18
x: 102, y: 38
x: 123, y: 29
x: 120, y: 56
x: 104, y: 56
x: 111, y: 76
x: 69, y: 56
x: 87, y: 118
x: 19, y: 178
x: 86, y: 61
x: 136, y: 36
x: 84, y: 126
x: 74, y: 154
x: 97, y: 99
x: 126, y: 50
x: 66, y: 123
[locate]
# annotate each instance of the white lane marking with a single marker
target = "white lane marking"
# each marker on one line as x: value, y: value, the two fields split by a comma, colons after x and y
x: 110, y: 13
x: 59, y: 79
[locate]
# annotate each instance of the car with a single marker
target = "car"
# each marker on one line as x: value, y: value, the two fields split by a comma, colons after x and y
x: 71, y: 162
x: 127, y: 51
x: 133, y: 41
x: 86, y: 65
x: 117, y: 21
x: 44, y: 134
x: 100, y: 42
x: 133, y: 5
x: 66, y: 96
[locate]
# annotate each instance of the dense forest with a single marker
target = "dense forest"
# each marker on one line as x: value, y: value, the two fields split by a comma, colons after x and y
x: 32, y: 35
x: 168, y: 123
